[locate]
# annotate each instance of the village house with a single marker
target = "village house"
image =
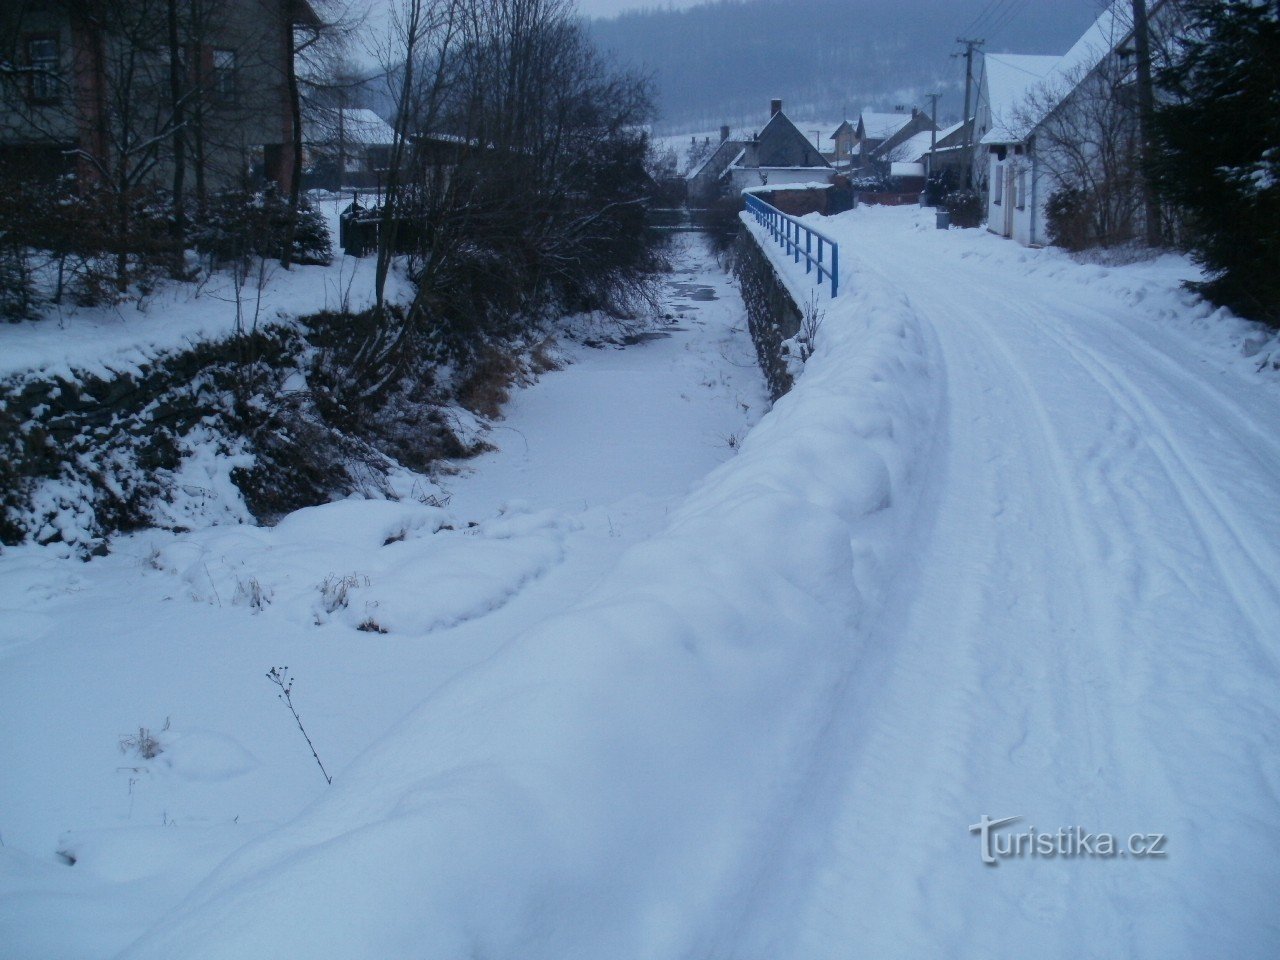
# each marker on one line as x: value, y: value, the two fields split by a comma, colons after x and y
x: 94, y: 94
x: 349, y: 147
x: 947, y: 155
x: 1027, y: 129
x: 776, y: 156
x: 907, y: 144
x: 703, y: 182
x: 878, y: 133
x: 845, y: 140
x: 1000, y: 126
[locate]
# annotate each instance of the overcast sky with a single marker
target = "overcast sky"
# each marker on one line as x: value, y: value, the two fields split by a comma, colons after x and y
x: 608, y: 8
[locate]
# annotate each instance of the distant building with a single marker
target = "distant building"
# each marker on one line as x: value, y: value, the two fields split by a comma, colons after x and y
x: 846, y: 139
x: 877, y: 133
x: 948, y: 153
x: 777, y: 156
x: 349, y: 147
x: 703, y: 181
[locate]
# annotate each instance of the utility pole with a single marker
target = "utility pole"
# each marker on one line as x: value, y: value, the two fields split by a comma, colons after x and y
x: 1146, y: 108
x: 969, y: 47
x: 933, y: 134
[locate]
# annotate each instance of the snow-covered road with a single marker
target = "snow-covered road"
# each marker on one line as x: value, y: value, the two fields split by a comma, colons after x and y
x: 1088, y: 635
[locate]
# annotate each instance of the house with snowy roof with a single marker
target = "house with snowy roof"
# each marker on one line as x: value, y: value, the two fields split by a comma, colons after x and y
x: 845, y: 140
x: 1006, y: 84
x: 948, y: 152
x: 876, y: 134
x: 353, y: 144
x: 1025, y: 119
x: 703, y: 181
x: 778, y: 155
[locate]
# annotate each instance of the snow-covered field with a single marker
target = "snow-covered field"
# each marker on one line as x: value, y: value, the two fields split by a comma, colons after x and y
x: 1008, y: 549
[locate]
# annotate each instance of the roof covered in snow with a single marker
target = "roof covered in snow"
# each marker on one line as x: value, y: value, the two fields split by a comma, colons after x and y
x: 881, y: 126
x: 913, y: 148
x: 1008, y: 79
x: 353, y: 126
x: 726, y: 152
x: 1015, y: 75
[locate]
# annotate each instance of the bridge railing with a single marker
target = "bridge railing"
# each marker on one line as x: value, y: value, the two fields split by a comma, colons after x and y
x: 799, y: 241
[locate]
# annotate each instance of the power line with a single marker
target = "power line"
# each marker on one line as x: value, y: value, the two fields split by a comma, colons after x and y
x: 1014, y: 11
x: 973, y: 25
x: 994, y: 11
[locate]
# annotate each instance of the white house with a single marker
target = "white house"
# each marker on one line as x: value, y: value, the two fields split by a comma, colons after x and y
x: 1019, y: 95
x: 1001, y: 121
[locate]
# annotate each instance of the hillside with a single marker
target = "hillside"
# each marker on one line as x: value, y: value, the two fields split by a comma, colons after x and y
x: 721, y: 62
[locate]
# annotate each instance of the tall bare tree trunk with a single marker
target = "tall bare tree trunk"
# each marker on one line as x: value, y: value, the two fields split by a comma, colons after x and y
x: 1146, y: 110
x: 387, y: 228
x: 295, y: 118
x: 179, y: 226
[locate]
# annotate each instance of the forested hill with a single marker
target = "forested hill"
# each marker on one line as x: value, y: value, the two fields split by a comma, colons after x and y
x: 721, y: 62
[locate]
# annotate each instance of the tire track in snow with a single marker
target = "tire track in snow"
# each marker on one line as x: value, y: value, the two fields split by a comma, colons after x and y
x: 1195, y: 495
x: 945, y: 669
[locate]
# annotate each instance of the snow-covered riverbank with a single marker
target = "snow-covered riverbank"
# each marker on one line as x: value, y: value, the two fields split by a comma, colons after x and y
x: 180, y: 629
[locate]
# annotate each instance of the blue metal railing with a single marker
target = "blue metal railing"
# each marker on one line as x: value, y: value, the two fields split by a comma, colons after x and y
x: 798, y: 240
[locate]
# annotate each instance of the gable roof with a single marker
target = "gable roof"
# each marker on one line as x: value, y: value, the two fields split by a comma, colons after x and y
x: 844, y: 125
x: 950, y: 131
x: 911, y: 149
x: 881, y: 126
x: 362, y: 127
x: 1112, y: 27
x: 717, y: 160
x: 781, y: 144
x: 1007, y: 79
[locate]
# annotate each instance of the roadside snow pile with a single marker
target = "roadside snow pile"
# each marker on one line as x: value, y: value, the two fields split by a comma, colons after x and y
x: 616, y: 781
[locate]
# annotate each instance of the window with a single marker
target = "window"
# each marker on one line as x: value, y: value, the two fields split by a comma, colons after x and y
x: 44, y: 80
x: 997, y: 184
x: 224, y: 76
x: 1022, y: 190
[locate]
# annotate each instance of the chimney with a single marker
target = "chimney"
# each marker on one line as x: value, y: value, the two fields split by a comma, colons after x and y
x: 775, y: 107
x: 914, y: 113
x: 724, y: 133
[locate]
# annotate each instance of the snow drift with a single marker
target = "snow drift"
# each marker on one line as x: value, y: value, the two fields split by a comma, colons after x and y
x: 619, y: 776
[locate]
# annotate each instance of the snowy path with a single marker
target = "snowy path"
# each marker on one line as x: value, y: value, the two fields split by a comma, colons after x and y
x: 1090, y: 635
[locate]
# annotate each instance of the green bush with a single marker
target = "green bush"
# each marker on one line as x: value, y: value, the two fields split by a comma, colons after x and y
x: 965, y: 207
x: 239, y: 225
x: 1066, y: 214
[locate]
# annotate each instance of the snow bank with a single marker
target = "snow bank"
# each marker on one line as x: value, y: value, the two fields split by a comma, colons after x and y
x: 613, y: 783
x: 376, y: 565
